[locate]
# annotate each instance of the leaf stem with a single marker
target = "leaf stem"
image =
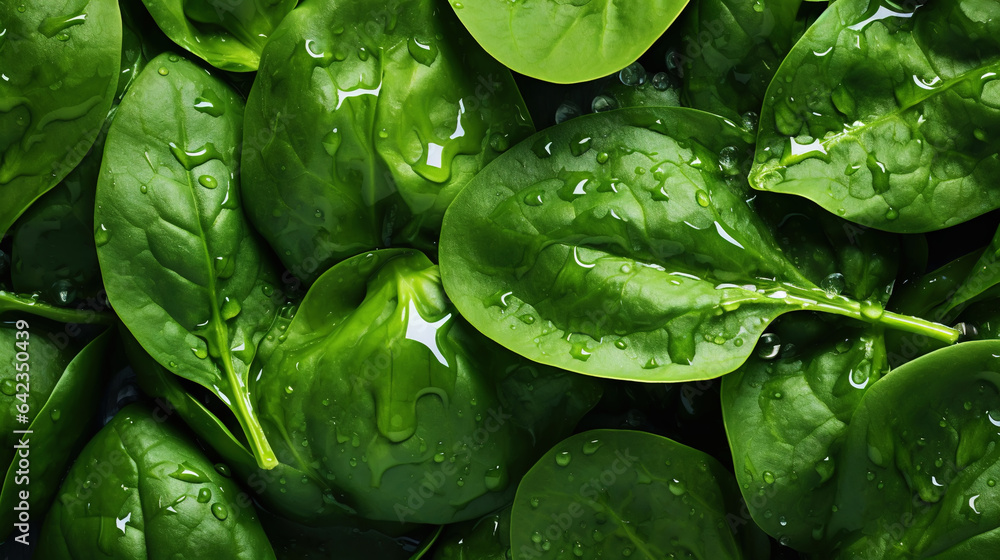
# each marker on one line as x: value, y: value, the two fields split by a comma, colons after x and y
x: 261, y: 448
x: 870, y: 312
x: 10, y: 302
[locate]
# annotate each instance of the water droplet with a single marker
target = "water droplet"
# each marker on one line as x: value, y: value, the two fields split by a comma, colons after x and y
x: 225, y: 267
x: 200, y: 352
x: 62, y: 292
x: 204, y: 495
x: 603, y: 103
x: 194, y: 158
x: 591, y: 447
x: 872, y: 310
x: 143, y: 189
x: 189, y: 473
x: 579, y: 145
x: 496, y: 479
x: 223, y: 469
x: 209, y: 103
x: 660, y: 81
x: 422, y: 50
x: 499, y: 142
x: 602, y: 158
x: 768, y: 477
x: 59, y: 24
x: 8, y: 387
x: 542, y: 147
x: 230, y: 309
x: 101, y: 235
x: 55, y: 414
x: 880, y: 176
x: 208, y: 181
x: 729, y: 161
x: 563, y: 458
x: 769, y: 346
x: 565, y: 112
x: 834, y: 284
x: 220, y: 512
x: 163, y: 71
x: 703, y: 199
x: 633, y: 75
x: 891, y: 214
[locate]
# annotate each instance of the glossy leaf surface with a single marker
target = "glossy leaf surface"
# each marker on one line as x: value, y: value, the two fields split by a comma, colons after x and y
x: 730, y: 51
x: 623, y: 245
x: 406, y: 413
x: 787, y: 412
x: 888, y: 116
x: 611, y: 493
x: 228, y: 34
x: 567, y: 41
x: 182, y: 267
x: 920, y: 465
x: 62, y: 389
x: 364, y: 123
x: 487, y: 538
x: 60, y: 62
x: 141, y: 489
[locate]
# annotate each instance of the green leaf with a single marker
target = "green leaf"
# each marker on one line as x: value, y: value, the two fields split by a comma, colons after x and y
x: 623, y: 245
x: 921, y: 461
x: 838, y: 256
x: 226, y: 34
x: 60, y: 62
x: 731, y: 50
x: 786, y: 419
x: 182, y: 267
x: 487, y: 538
x: 616, y: 493
x: 567, y: 41
x: 889, y: 117
x: 981, y: 280
x: 63, y: 390
x: 141, y: 489
x: 364, y: 123
x: 392, y: 406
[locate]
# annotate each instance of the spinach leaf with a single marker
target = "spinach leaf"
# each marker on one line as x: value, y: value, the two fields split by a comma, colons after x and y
x: 567, y: 41
x: 393, y: 406
x: 228, y: 34
x: 631, y: 494
x: 359, y: 137
x: 487, y: 538
x: 62, y: 389
x: 838, y: 256
x: 60, y: 63
x: 141, y: 489
x: 981, y: 280
x: 730, y: 51
x: 301, y: 502
x: 182, y: 268
x: 53, y: 251
x: 888, y: 116
x: 920, y: 465
x: 787, y: 415
x: 622, y: 245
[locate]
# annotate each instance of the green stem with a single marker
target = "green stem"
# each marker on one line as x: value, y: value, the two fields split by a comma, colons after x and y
x: 261, y: 448
x: 14, y: 303
x: 874, y: 314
